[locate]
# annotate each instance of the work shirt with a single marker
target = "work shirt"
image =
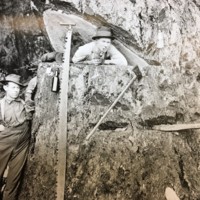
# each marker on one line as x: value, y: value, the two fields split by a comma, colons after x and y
x: 89, y: 52
x: 12, y: 112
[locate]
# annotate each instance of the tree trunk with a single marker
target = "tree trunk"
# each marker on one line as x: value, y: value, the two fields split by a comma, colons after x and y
x: 123, y: 160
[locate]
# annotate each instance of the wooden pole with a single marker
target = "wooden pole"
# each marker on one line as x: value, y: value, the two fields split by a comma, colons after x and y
x: 176, y: 127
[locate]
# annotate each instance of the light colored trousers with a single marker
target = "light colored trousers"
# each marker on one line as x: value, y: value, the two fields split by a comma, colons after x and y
x: 14, y: 143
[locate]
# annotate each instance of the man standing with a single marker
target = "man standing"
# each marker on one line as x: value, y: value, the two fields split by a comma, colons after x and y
x: 100, y: 51
x: 14, y: 135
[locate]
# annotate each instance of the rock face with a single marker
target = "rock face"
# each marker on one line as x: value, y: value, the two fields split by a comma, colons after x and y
x: 125, y: 159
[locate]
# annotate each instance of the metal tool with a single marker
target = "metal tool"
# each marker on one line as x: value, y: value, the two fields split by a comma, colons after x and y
x: 138, y: 75
x: 62, y: 133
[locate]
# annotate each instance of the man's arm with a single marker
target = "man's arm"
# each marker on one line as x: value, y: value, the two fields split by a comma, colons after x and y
x: 83, y: 55
x: 29, y: 103
x: 117, y: 58
x: 30, y: 88
x: 80, y: 54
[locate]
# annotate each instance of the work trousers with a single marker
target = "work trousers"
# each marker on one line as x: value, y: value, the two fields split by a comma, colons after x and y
x: 14, y: 143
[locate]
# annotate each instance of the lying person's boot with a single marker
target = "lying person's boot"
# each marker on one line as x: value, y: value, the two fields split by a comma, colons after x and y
x: 59, y: 57
x: 49, y: 57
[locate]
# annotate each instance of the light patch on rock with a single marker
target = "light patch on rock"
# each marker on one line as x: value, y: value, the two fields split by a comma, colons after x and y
x: 33, y: 6
x: 170, y: 194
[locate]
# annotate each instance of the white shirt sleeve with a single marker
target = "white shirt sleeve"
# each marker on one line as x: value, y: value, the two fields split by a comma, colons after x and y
x: 82, y: 53
x: 116, y: 57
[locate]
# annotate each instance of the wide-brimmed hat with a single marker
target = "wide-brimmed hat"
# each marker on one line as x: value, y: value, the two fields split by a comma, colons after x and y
x: 103, y: 32
x: 13, y: 78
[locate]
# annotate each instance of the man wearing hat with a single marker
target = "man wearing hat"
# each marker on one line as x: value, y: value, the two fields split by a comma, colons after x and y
x: 14, y: 135
x: 100, y: 51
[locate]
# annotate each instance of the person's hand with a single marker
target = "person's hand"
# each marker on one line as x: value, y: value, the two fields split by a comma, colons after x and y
x: 108, y: 62
x: 2, y: 127
x: 30, y: 105
x: 27, y: 96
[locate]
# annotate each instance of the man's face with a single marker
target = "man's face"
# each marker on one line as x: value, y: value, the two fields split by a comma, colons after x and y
x: 103, y: 44
x: 12, y: 90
